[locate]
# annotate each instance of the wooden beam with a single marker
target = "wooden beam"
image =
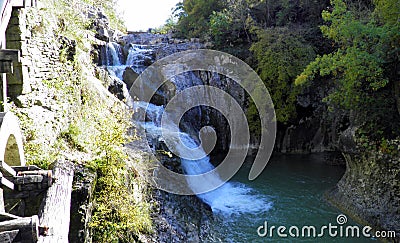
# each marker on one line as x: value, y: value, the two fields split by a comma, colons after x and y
x: 4, y: 167
x: 25, y: 168
x: 2, y: 208
x: 47, y: 173
x: 6, y: 67
x: 56, y: 206
x: 10, y: 55
x: 5, y: 182
x: 29, y: 179
x: 18, y: 3
x: 7, y: 216
x: 29, y: 184
x: 28, y: 228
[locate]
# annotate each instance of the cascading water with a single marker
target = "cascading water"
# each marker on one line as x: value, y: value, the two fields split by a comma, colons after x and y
x: 139, y: 56
x: 111, y: 54
x: 295, y: 184
x: 230, y: 198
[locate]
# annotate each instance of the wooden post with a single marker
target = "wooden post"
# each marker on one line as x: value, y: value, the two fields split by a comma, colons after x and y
x: 2, y: 208
x: 6, y: 67
x: 3, y: 101
x: 7, y: 169
x: 5, y: 182
x: 10, y: 55
x: 55, y: 209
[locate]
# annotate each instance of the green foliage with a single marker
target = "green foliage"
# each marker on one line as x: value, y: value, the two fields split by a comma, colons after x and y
x: 249, y: 29
x: 169, y: 26
x: 363, y: 65
x: 36, y: 153
x: 281, y: 55
x: 111, y: 11
x: 121, y: 211
x: 195, y: 16
x: 269, y: 13
x: 71, y: 136
x: 220, y: 24
x: 388, y: 11
x: 229, y: 29
x: 86, y: 128
x: 72, y: 21
x: 119, y: 214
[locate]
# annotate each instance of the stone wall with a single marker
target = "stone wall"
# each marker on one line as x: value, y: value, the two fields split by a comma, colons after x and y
x: 40, y: 51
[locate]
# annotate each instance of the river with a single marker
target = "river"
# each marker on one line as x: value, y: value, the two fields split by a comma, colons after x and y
x: 293, y: 187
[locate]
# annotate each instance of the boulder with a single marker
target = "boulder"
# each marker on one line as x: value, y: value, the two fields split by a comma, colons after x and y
x: 102, y: 34
x: 118, y: 88
x: 129, y: 77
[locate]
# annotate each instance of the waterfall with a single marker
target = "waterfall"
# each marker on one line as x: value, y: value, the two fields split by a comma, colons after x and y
x: 111, y: 55
x: 139, y: 56
x: 231, y: 197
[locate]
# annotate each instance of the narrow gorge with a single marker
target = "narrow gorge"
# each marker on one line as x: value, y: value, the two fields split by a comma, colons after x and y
x: 335, y: 160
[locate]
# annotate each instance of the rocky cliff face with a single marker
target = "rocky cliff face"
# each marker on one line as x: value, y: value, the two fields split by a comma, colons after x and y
x: 155, y: 47
x: 316, y: 129
x: 370, y: 188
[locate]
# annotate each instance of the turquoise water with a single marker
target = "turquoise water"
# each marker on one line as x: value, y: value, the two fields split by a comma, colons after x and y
x: 288, y: 193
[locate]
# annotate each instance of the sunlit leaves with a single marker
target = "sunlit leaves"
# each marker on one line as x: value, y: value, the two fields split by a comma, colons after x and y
x: 358, y: 64
x: 281, y: 55
x: 364, y: 63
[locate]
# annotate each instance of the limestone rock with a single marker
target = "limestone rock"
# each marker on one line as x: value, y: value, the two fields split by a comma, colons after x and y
x: 117, y: 87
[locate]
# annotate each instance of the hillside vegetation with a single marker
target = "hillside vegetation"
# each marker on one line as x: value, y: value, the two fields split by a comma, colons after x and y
x: 68, y: 114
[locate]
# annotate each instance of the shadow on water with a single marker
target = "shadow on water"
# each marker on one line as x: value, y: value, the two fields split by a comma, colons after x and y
x: 291, y: 190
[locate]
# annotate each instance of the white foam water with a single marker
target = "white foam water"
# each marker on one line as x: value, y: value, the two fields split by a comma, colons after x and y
x: 114, y: 54
x: 231, y: 197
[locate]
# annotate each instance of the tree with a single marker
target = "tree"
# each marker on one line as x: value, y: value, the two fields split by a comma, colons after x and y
x: 195, y: 16
x: 363, y: 66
